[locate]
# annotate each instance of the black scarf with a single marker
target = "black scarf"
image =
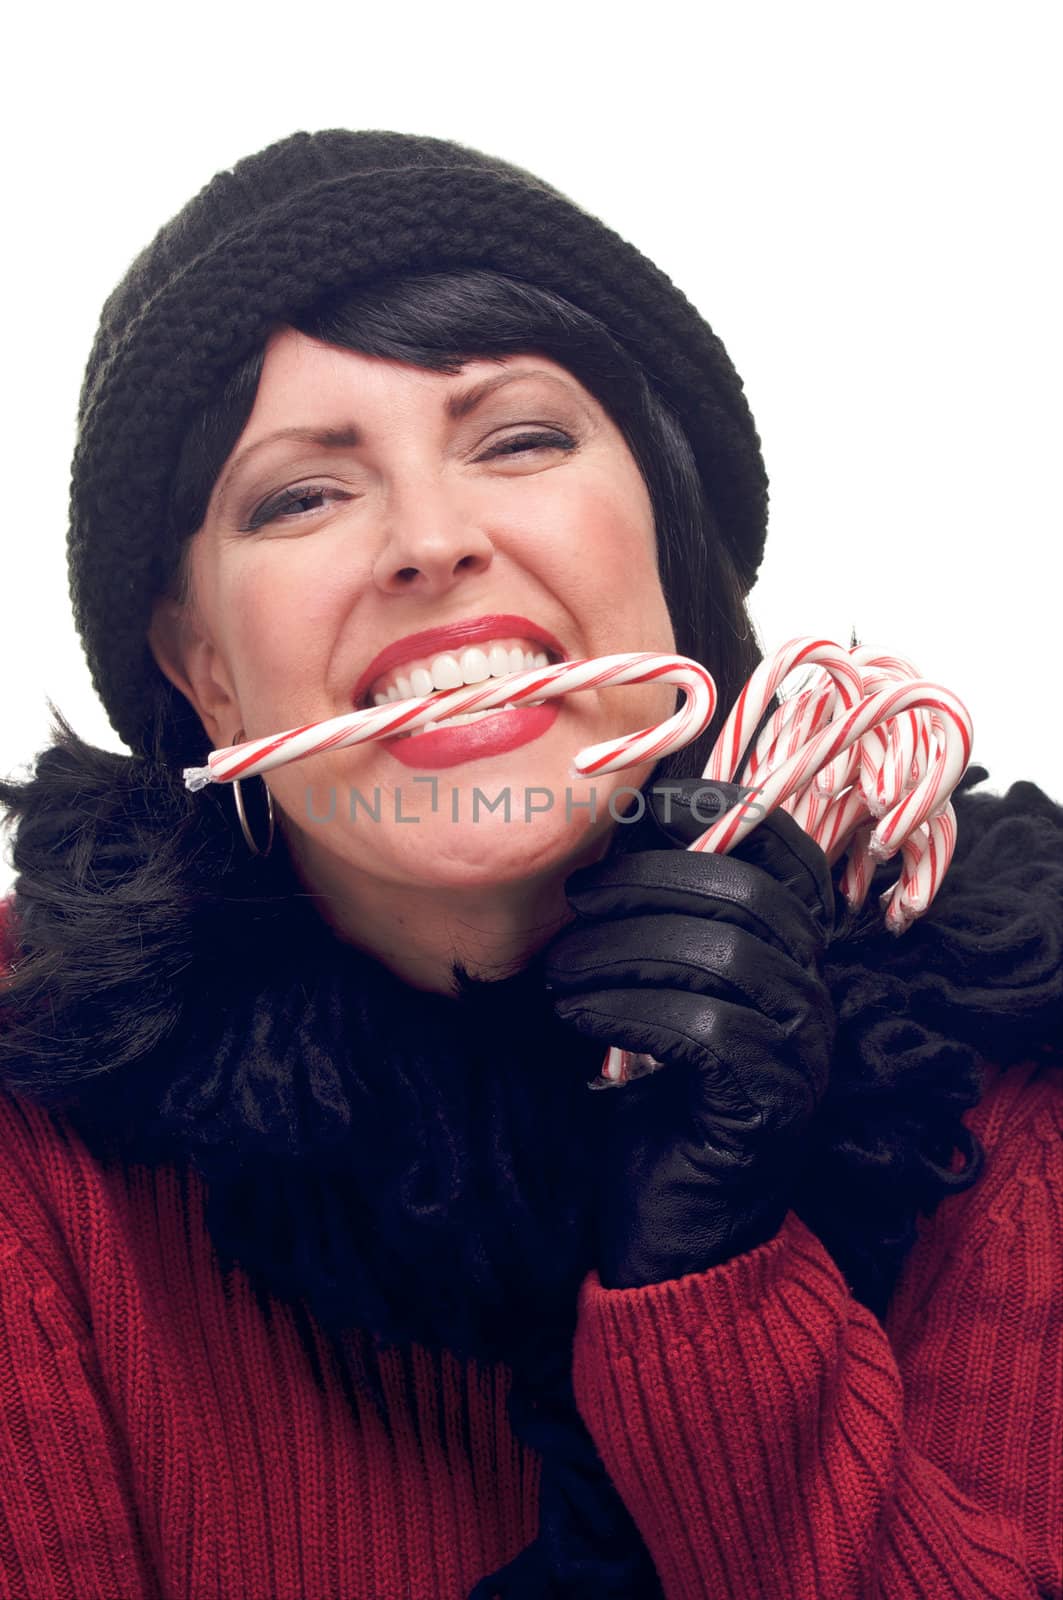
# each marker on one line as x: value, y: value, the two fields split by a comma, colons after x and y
x: 418, y: 1167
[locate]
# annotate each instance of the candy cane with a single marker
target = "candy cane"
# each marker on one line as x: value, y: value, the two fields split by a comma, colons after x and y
x: 927, y: 796
x: 859, y: 868
x: 884, y: 781
x: 257, y: 756
x: 845, y: 816
x: 793, y: 724
x: 791, y: 727
x: 758, y: 693
x: 927, y: 854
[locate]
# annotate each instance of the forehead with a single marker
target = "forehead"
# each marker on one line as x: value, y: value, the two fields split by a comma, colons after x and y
x: 297, y: 369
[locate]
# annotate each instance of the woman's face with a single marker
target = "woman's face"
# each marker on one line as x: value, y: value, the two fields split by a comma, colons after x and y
x: 368, y: 501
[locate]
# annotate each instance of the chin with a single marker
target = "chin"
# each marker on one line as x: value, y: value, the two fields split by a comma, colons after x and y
x: 508, y: 853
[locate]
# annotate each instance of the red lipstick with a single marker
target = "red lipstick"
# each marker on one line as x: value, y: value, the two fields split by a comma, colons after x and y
x: 473, y: 741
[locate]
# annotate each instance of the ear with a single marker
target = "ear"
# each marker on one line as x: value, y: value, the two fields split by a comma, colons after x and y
x: 186, y: 655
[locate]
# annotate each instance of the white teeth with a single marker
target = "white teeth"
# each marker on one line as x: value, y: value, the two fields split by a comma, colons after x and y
x: 455, y: 669
x: 475, y: 666
x: 446, y: 673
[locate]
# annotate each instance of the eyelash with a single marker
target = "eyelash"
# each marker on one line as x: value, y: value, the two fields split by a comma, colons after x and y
x: 271, y: 509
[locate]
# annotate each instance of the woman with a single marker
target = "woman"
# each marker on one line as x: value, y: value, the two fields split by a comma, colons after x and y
x: 325, y: 1274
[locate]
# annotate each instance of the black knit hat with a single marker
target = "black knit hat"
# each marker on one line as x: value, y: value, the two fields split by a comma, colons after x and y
x: 312, y: 214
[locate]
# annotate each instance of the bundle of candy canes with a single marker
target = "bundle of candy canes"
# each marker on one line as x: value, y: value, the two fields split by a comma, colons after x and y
x: 862, y: 752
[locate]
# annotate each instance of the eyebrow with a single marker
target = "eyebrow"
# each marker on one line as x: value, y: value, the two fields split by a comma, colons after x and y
x: 456, y: 406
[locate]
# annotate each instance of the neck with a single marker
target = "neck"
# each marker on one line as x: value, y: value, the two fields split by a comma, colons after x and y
x: 422, y: 934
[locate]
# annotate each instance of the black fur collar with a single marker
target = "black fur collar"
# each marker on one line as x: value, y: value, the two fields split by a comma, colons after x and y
x: 418, y: 1166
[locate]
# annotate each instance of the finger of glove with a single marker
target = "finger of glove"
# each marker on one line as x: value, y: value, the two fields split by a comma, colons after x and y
x: 742, y: 1080
x: 686, y: 954
x: 709, y: 886
x: 681, y: 811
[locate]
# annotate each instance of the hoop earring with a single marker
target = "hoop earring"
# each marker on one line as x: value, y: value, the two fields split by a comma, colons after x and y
x: 238, y: 797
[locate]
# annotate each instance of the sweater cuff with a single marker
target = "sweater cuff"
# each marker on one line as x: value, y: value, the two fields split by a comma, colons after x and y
x: 729, y: 1291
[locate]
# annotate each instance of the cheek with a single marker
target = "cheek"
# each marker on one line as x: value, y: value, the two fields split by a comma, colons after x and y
x: 618, y: 563
x: 282, y: 609
x: 599, y: 528
x: 616, y: 512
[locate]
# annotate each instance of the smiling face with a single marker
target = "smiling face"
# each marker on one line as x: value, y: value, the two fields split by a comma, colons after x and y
x: 368, y: 501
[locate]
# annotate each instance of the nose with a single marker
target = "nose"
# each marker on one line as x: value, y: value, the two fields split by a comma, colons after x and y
x: 431, y: 543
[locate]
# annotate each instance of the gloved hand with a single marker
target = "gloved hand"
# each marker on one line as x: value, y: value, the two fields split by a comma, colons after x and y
x: 709, y: 963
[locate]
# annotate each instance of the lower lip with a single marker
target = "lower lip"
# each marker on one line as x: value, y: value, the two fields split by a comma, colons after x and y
x: 472, y: 741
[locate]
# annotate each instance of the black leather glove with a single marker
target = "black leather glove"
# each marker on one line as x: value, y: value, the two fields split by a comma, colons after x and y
x: 710, y: 964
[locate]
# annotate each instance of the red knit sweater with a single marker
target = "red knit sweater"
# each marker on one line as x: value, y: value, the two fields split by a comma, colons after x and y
x: 770, y: 1438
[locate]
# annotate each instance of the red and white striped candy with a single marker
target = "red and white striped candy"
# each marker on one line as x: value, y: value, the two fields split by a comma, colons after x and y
x: 928, y: 796
x: 759, y: 692
x: 256, y: 756
x: 926, y: 853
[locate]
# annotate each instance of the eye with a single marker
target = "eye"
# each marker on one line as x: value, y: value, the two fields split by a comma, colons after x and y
x: 520, y: 443
x: 294, y: 502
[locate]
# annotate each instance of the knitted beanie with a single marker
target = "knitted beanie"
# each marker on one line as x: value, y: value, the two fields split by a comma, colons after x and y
x: 310, y: 215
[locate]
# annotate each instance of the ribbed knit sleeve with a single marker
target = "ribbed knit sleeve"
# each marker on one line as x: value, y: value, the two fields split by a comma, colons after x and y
x: 771, y: 1437
x: 68, y: 1525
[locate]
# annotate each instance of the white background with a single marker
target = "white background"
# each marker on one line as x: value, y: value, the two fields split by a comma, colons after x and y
x: 863, y: 202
